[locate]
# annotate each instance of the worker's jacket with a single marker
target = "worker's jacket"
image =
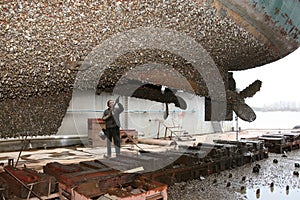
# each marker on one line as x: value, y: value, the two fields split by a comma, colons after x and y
x: 112, y: 117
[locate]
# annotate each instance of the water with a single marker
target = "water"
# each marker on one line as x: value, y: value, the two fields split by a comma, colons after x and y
x: 273, y: 120
x: 266, y: 193
x: 215, y: 186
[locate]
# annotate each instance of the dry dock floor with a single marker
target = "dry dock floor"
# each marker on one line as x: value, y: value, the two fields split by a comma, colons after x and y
x: 228, y: 184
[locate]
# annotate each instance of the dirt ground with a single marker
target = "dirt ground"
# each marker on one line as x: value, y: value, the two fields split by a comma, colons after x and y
x: 241, y: 183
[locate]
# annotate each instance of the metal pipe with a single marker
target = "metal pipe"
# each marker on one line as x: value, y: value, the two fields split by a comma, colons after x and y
x: 22, y: 148
x: 237, y: 128
x: 156, y: 142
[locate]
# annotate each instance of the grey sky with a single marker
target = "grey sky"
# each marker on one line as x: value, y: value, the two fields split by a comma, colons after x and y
x: 281, y: 80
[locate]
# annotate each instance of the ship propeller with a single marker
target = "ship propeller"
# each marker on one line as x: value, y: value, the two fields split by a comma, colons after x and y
x: 237, y: 99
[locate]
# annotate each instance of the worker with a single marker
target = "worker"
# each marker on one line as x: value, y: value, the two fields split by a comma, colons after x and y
x: 111, y: 116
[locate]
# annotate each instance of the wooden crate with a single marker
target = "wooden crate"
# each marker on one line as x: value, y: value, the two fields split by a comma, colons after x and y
x: 95, y: 125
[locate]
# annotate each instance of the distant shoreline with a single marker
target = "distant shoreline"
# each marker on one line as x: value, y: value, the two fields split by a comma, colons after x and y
x: 275, y: 109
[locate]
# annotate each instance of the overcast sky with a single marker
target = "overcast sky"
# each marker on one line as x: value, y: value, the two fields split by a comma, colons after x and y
x: 280, y: 80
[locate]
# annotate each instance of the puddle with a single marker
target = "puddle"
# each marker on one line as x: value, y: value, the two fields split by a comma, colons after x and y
x: 216, y: 186
x: 267, y: 193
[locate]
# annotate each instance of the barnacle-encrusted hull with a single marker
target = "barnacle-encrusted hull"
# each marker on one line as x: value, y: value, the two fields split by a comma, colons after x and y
x: 43, y: 44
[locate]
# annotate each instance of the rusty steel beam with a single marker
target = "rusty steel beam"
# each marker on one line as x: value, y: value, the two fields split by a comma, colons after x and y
x: 277, y: 143
x: 92, y: 179
x: 123, y: 186
x: 26, y: 183
x: 56, y: 169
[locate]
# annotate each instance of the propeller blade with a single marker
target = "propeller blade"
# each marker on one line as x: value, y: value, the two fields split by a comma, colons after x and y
x: 180, y: 102
x: 251, y: 90
x: 244, y: 112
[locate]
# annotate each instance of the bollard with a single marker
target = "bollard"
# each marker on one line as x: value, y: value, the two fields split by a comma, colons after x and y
x: 255, y: 169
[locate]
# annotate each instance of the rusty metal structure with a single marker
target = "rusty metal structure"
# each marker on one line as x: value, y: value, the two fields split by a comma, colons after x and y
x: 113, y: 177
x: 45, y: 43
x: 136, y: 176
x: 278, y: 143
